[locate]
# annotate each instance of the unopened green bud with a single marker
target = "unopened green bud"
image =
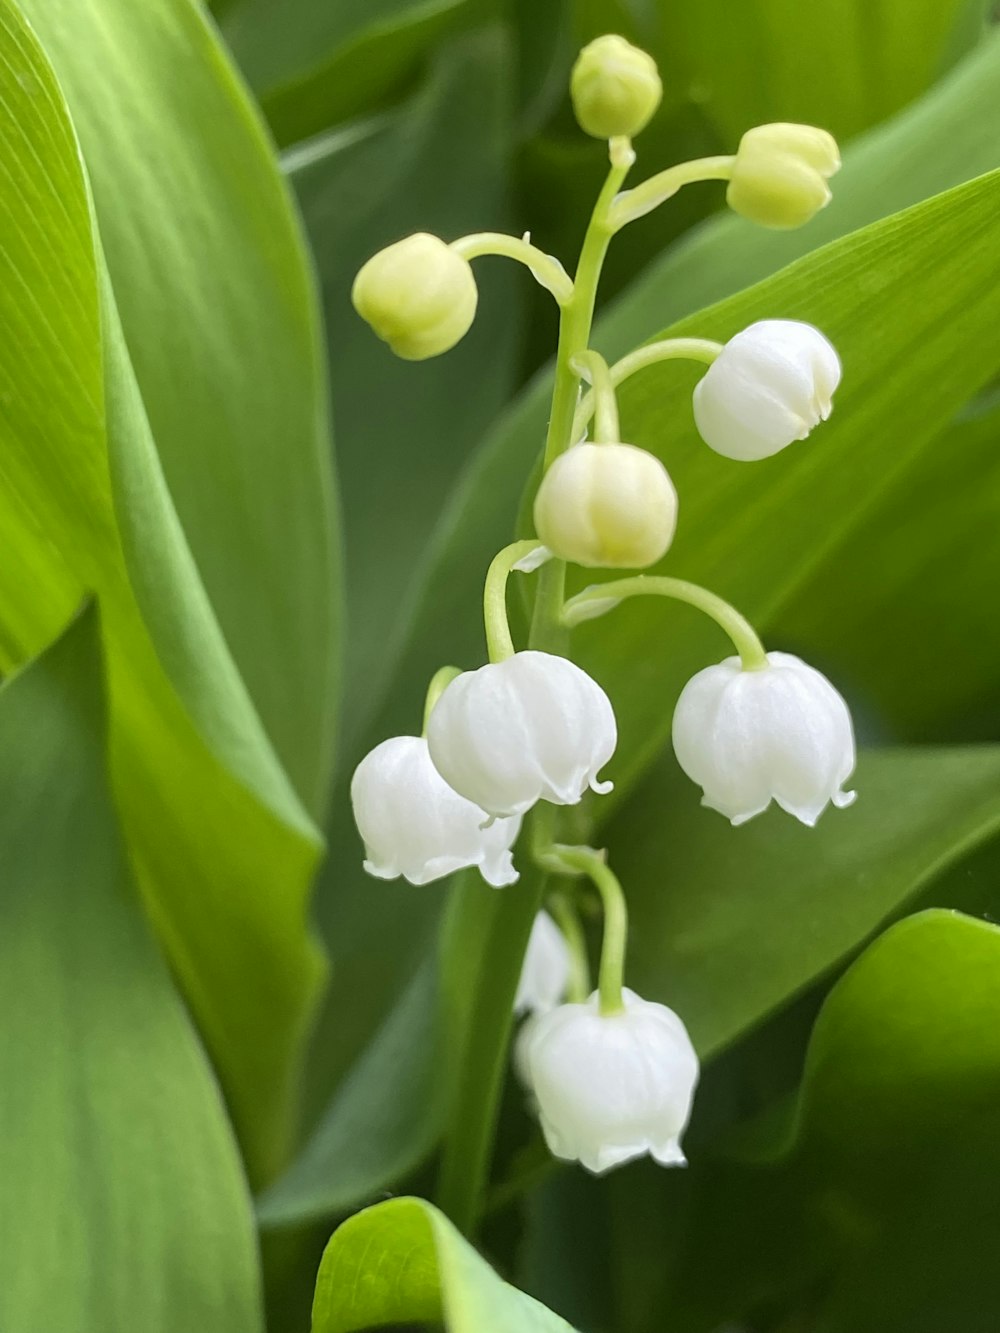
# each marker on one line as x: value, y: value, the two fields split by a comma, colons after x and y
x: 780, y: 174
x: 418, y: 295
x: 609, y: 506
x: 615, y: 88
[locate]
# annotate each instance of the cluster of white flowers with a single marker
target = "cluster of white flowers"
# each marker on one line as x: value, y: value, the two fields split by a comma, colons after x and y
x: 612, y: 1076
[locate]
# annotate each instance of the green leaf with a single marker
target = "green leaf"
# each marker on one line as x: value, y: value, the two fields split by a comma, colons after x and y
x: 383, y: 1120
x: 313, y: 65
x: 222, y: 847
x: 908, y: 302
x: 727, y: 924
x: 924, y: 640
x: 124, y: 1203
x: 403, y: 1262
x: 898, y: 1118
x: 845, y: 65
x: 218, y: 312
x: 438, y: 164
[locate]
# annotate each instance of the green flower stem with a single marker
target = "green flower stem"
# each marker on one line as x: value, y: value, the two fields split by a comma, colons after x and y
x: 586, y: 861
x: 503, y: 920
x: 636, y: 203
x: 546, y: 270
x: 567, y: 918
x: 602, y: 597
x: 594, y: 367
x: 497, y: 925
x: 439, y: 683
x: 574, y: 336
x: 499, y: 643
x: 669, y: 349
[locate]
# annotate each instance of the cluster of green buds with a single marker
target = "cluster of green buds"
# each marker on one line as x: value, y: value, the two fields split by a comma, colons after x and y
x: 612, y: 1075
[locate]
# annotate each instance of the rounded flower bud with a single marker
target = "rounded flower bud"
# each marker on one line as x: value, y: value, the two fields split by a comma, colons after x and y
x: 609, y: 506
x: 780, y: 174
x: 534, y: 726
x: 780, y: 733
x: 770, y: 385
x: 418, y: 295
x: 615, y: 88
x: 414, y: 825
x: 611, y: 1087
x: 545, y: 970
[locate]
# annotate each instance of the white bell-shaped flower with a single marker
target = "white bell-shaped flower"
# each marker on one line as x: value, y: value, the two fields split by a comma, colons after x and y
x: 545, y: 971
x: 770, y: 385
x: 611, y: 1087
x: 413, y: 824
x: 779, y: 733
x: 531, y: 727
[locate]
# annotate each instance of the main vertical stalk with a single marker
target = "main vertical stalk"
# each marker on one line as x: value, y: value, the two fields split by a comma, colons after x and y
x: 482, y: 1062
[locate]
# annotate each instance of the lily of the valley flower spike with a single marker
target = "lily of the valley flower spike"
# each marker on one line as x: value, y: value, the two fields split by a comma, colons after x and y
x: 533, y: 727
x: 607, y: 506
x: 413, y: 824
x: 780, y: 733
x: 770, y: 385
x: 545, y: 972
x: 779, y: 178
x: 418, y: 295
x: 612, y: 1087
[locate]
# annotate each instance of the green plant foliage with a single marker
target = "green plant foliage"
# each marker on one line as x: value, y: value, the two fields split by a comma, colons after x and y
x: 217, y: 310
x: 733, y: 922
x: 366, y: 1139
x: 313, y: 65
x: 223, y: 848
x: 124, y: 1203
x: 844, y: 65
x: 403, y: 1262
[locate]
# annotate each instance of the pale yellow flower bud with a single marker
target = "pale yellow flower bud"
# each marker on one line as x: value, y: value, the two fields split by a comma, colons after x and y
x: 780, y: 175
x: 418, y: 295
x: 608, y: 506
x: 615, y: 88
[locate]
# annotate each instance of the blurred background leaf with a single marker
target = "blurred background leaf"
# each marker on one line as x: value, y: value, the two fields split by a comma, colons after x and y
x: 124, y: 1199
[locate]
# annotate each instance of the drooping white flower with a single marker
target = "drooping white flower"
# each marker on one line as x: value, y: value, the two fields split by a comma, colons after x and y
x: 531, y: 727
x: 413, y: 824
x: 546, y: 968
x: 770, y: 385
x: 611, y: 1087
x: 780, y: 733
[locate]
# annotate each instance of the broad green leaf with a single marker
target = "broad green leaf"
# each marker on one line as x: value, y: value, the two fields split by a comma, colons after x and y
x: 727, y: 924
x: 403, y: 1262
x: 313, y: 65
x: 438, y: 164
x: 944, y: 139
x: 881, y: 1212
x: 845, y: 64
x: 925, y: 639
x: 383, y: 1119
x: 222, y: 847
x: 898, y: 1115
x: 220, y: 320
x: 124, y: 1204
x: 909, y: 303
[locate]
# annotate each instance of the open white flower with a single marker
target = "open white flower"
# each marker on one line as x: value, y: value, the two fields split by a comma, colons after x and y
x: 611, y: 1087
x: 413, y: 824
x: 529, y: 728
x: 780, y: 733
x: 545, y: 971
x: 770, y: 385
